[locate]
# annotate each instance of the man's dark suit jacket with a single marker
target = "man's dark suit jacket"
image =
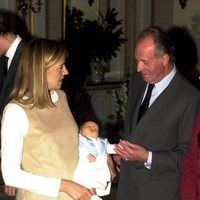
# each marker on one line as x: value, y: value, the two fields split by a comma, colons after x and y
x: 7, y: 86
x: 165, y: 129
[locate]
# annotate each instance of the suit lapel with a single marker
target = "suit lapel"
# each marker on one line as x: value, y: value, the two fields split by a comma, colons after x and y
x: 151, y: 114
x: 13, y: 65
x: 7, y: 86
x: 139, y: 98
x: 1, y: 71
x: 137, y: 86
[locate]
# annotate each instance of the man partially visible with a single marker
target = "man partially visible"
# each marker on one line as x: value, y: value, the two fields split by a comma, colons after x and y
x: 154, y: 144
x: 11, y: 47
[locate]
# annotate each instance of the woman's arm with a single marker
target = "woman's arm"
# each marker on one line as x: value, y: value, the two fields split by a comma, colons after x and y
x: 14, y: 128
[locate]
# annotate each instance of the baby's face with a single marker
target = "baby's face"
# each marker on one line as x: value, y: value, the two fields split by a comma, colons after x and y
x: 90, y: 129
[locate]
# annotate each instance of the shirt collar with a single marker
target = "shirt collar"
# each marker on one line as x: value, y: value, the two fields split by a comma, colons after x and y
x: 53, y: 94
x: 89, y: 138
x: 160, y: 86
x: 11, y: 51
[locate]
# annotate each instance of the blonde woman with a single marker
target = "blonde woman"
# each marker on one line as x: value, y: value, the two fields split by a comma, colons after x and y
x: 39, y: 133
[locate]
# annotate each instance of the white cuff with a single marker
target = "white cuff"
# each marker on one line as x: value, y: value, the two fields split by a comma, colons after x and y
x: 149, y: 160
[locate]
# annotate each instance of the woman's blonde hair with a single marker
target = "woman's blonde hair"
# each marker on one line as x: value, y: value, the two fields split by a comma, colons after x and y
x: 31, y: 86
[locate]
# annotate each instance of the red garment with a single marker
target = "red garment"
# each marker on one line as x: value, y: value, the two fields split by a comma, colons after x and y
x: 190, y: 180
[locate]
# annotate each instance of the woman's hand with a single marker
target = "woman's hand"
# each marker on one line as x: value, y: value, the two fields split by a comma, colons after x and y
x: 76, y: 191
x: 116, y: 159
x: 111, y: 167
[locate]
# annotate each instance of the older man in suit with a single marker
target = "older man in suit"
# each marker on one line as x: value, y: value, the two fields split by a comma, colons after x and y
x: 157, y: 136
x: 11, y: 47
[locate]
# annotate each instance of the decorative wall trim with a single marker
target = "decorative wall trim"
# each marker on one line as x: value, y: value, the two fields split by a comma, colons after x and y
x: 64, y: 5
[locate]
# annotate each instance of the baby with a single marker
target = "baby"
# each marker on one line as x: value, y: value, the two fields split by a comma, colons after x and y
x: 95, y: 168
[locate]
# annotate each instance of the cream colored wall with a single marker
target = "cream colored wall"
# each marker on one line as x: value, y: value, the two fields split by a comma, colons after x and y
x: 8, y: 5
x: 91, y: 12
x: 118, y: 64
x: 189, y: 17
x: 137, y: 14
x: 163, y: 13
x: 142, y: 13
x: 138, y: 17
x: 171, y: 13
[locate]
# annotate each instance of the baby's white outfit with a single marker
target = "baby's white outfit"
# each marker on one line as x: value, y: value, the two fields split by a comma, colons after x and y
x: 94, y: 174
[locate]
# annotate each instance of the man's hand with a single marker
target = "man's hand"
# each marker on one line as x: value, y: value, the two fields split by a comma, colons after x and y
x: 131, y: 151
x: 10, y: 191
